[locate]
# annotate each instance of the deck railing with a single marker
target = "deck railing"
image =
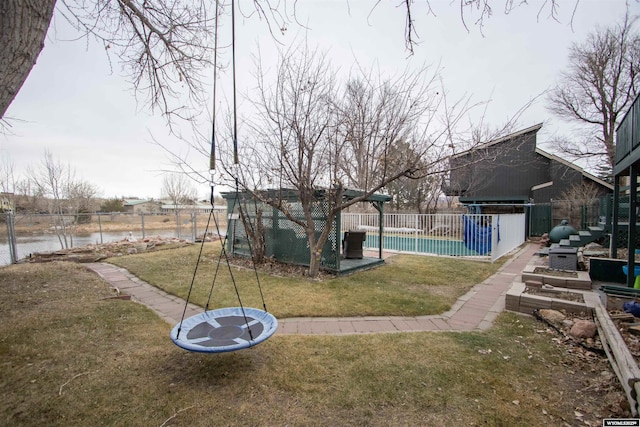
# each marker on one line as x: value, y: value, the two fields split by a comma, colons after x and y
x: 478, y: 236
x: 628, y: 137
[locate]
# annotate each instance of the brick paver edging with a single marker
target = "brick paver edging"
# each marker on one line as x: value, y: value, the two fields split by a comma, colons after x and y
x: 476, y: 310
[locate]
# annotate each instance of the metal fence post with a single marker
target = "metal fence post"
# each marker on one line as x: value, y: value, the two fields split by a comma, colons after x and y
x: 100, y: 227
x: 11, y: 231
x: 178, y: 228
x: 195, y: 225
x: 142, y: 223
x: 416, y: 234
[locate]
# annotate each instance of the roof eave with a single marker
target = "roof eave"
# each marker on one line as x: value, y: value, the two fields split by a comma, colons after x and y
x: 575, y: 167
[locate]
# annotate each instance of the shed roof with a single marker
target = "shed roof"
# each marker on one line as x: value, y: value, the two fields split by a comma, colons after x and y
x: 291, y: 194
x: 531, y: 129
x: 574, y: 167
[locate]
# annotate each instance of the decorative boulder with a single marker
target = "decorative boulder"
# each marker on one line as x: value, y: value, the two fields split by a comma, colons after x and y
x: 553, y: 316
x: 583, y: 329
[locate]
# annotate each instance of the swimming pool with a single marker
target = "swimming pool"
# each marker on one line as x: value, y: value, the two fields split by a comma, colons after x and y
x: 419, y: 244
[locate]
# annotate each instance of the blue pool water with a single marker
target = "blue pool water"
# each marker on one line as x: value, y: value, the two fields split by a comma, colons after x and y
x: 420, y: 245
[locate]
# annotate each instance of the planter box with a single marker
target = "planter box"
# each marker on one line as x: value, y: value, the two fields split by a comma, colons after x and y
x: 580, y: 279
x: 519, y: 301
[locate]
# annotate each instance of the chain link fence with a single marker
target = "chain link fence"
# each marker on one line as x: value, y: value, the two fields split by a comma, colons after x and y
x: 22, y: 234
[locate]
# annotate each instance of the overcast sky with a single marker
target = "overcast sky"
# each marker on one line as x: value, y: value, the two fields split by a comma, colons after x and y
x: 80, y: 108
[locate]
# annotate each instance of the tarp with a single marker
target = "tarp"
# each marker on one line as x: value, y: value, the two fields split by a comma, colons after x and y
x: 477, y: 235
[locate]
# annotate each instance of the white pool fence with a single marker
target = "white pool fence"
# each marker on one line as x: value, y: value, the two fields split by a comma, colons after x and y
x: 487, y: 237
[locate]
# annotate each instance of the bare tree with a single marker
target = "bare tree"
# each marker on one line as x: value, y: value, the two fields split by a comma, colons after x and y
x: 164, y: 45
x: 410, y: 194
x: 7, y: 182
x: 429, y: 194
x: 306, y: 129
x: 600, y: 84
x: 296, y: 136
x: 67, y: 195
x: 81, y: 200
x: 376, y: 114
x: 28, y: 198
x: 18, y: 54
x: 178, y: 188
x: 574, y: 200
x: 481, y: 10
x: 415, y: 195
x: 49, y: 179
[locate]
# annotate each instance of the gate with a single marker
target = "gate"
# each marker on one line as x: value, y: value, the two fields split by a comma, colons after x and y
x: 539, y: 219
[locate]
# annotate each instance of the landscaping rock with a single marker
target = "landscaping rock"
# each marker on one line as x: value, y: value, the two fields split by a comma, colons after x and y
x: 583, y: 329
x: 533, y: 284
x: 98, y: 252
x: 553, y: 316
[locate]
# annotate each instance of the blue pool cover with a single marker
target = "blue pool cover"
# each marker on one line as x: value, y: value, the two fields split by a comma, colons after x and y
x: 477, y: 236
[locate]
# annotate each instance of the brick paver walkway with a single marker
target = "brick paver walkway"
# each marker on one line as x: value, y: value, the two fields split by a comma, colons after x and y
x: 475, y: 310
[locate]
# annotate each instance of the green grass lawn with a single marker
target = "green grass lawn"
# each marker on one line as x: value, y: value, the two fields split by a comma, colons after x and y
x: 407, y: 285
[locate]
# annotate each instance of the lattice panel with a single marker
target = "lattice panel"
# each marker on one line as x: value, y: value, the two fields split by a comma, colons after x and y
x: 286, y: 240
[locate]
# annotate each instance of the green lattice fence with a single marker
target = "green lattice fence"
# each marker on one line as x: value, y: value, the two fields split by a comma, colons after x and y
x: 285, y: 240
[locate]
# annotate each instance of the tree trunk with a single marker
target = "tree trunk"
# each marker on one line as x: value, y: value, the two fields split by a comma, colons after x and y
x: 314, y: 262
x: 315, y: 251
x: 255, y: 234
x: 23, y: 27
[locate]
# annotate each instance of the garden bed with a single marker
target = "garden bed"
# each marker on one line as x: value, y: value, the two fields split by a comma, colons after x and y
x: 554, y: 272
x: 554, y: 293
x: 557, y: 278
x: 525, y: 299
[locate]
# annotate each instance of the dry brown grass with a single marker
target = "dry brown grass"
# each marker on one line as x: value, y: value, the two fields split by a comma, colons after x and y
x: 69, y: 357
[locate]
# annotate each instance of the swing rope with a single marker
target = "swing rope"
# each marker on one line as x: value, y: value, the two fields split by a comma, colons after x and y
x: 193, y: 278
x: 212, y: 166
x: 235, y: 151
x: 253, y: 257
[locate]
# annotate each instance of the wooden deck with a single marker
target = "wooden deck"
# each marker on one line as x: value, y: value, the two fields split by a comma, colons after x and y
x: 350, y: 265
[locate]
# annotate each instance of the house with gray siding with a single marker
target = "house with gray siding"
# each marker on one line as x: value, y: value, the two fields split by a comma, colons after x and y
x: 512, y: 170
